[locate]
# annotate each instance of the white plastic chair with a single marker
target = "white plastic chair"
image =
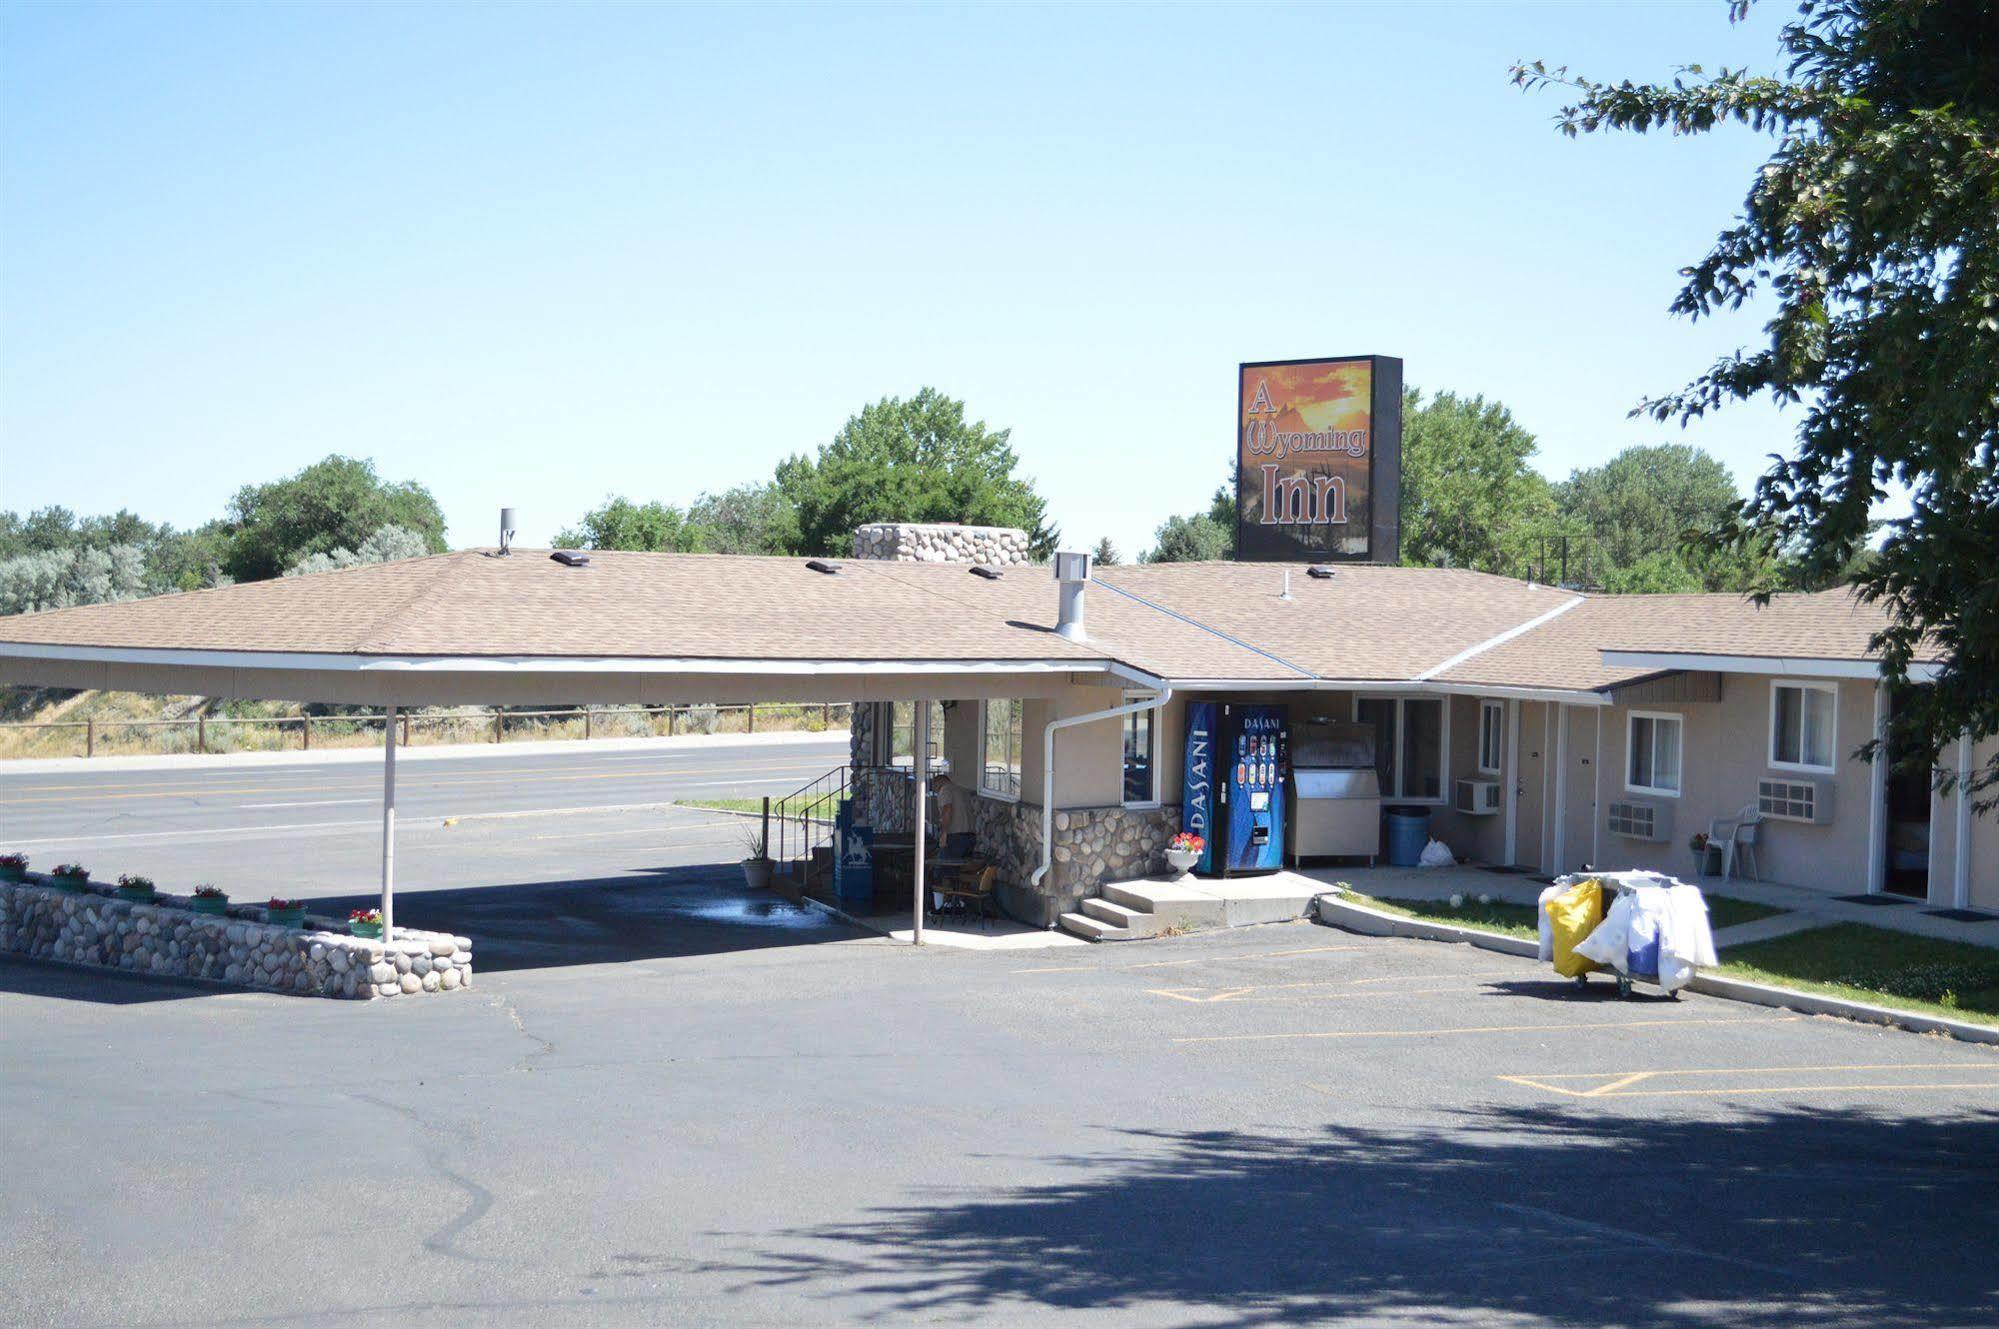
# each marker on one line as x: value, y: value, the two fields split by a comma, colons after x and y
x: 1734, y: 838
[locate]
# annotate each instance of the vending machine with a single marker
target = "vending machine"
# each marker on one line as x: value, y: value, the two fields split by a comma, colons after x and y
x: 1237, y: 764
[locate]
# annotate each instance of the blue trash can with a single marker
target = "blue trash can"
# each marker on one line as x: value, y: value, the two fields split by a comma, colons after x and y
x: 1408, y: 832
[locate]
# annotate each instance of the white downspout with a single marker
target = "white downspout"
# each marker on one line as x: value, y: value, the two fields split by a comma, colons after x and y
x: 1151, y: 703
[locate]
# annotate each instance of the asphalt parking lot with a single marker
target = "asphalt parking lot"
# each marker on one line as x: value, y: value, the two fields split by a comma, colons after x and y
x: 721, y: 1110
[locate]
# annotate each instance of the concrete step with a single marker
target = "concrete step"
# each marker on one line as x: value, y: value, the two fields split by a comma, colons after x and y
x: 1171, y: 904
x: 1092, y: 929
x: 1137, y: 922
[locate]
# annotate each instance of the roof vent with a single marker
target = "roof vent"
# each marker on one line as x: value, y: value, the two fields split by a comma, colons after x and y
x: 821, y: 565
x: 1072, y: 572
x: 1320, y: 572
x: 990, y: 574
x: 507, y: 529
x: 571, y: 558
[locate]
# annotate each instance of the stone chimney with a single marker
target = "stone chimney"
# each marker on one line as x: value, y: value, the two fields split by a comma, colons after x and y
x: 941, y: 542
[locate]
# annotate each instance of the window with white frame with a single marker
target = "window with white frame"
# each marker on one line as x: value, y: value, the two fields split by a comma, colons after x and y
x: 1491, y: 737
x: 999, y: 747
x: 1801, y: 726
x: 902, y: 735
x: 1409, y: 734
x: 1652, y: 748
x: 1141, y: 755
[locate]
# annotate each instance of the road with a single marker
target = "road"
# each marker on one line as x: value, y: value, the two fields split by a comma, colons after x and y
x: 312, y: 830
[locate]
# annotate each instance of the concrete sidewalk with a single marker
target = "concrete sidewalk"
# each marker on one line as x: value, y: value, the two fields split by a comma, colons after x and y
x: 835, y: 740
x: 1804, y: 907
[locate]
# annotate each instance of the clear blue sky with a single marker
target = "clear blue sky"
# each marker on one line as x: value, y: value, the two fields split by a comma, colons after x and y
x: 536, y: 255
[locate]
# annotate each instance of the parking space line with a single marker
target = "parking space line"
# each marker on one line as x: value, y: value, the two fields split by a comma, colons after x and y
x: 1605, y: 1026
x: 1197, y: 959
x: 1241, y: 995
x: 1619, y: 1084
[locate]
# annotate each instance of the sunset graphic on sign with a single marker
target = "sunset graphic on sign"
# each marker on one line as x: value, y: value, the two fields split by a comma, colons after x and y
x: 1304, y: 443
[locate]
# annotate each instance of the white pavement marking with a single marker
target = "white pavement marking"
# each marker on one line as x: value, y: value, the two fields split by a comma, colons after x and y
x: 303, y: 803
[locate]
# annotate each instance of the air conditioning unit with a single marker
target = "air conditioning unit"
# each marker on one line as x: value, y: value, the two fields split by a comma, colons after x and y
x: 1640, y: 821
x: 1477, y: 798
x: 1809, y: 801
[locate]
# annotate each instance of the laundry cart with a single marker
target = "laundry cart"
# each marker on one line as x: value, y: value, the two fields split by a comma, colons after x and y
x: 1640, y: 927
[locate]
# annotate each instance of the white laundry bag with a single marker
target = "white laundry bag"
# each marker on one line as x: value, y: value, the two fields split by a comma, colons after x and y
x: 1436, y: 854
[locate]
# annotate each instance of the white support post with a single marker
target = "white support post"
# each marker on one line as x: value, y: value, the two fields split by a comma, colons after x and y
x: 389, y: 826
x: 1960, y: 866
x: 1596, y: 796
x: 1561, y: 790
x: 1512, y: 782
x: 1877, y: 796
x: 920, y: 740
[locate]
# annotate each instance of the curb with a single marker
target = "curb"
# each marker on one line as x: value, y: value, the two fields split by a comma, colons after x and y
x: 1330, y: 911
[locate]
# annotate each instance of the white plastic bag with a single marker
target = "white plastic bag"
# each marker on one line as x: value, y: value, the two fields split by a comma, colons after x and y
x: 1437, y: 854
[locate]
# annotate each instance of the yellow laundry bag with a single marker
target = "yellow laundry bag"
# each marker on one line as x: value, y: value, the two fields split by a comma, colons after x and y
x: 1572, y: 916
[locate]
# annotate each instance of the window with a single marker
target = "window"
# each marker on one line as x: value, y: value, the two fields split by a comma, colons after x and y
x: 1409, y: 735
x: 902, y: 735
x: 1801, y: 726
x: 1653, y: 746
x: 999, y: 748
x: 1141, y: 755
x: 1491, y: 737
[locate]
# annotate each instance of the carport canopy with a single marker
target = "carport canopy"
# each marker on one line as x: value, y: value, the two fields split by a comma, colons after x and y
x: 522, y: 628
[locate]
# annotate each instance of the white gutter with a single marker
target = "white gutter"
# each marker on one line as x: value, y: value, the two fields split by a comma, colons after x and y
x: 1395, y: 687
x: 340, y: 662
x: 1151, y: 703
x: 1482, y: 647
x: 1780, y: 665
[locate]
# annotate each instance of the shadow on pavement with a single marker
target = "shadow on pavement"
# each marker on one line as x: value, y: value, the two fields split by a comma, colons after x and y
x: 665, y: 912
x: 106, y: 987
x: 1562, y: 1217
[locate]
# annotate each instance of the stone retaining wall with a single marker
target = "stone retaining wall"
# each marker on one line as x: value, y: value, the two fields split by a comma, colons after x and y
x: 1092, y: 846
x: 166, y: 939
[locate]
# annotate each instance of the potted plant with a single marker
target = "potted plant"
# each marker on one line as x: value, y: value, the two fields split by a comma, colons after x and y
x: 1699, y: 844
x: 209, y: 900
x: 137, y: 890
x: 1183, y: 851
x: 284, y: 913
x: 365, y: 922
x: 13, y: 867
x: 70, y: 877
x: 756, y: 864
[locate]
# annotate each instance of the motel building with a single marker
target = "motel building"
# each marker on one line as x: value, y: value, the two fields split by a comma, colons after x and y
x: 1081, y: 716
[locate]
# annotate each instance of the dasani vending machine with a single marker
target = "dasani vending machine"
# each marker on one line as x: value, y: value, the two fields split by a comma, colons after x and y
x: 1237, y: 760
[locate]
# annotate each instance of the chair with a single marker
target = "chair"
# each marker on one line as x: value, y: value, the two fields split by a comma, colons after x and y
x: 1734, y: 839
x: 971, y: 888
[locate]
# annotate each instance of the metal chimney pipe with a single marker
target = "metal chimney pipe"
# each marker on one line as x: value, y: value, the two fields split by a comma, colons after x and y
x: 1072, y: 574
x: 507, y: 529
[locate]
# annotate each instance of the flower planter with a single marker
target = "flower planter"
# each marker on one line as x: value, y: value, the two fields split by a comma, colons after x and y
x: 209, y: 904
x: 373, y: 930
x: 756, y: 873
x: 74, y: 885
x: 13, y: 875
x: 285, y: 918
x: 138, y: 894
x: 1182, y: 861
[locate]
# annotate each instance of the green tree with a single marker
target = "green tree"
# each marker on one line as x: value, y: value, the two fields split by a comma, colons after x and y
x: 748, y: 519
x: 1105, y: 554
x: 913, y: 460
x: 1641, y: 511
x: 1873, y: 232
x: 622, y: 524
x: 1203, y: 537
x: 332, y: 504
x: 1470, y: 499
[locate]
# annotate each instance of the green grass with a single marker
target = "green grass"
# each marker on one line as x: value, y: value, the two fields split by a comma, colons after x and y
x: 1877, y: 965
x: 778, y: 806
x: 1507, y: 919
